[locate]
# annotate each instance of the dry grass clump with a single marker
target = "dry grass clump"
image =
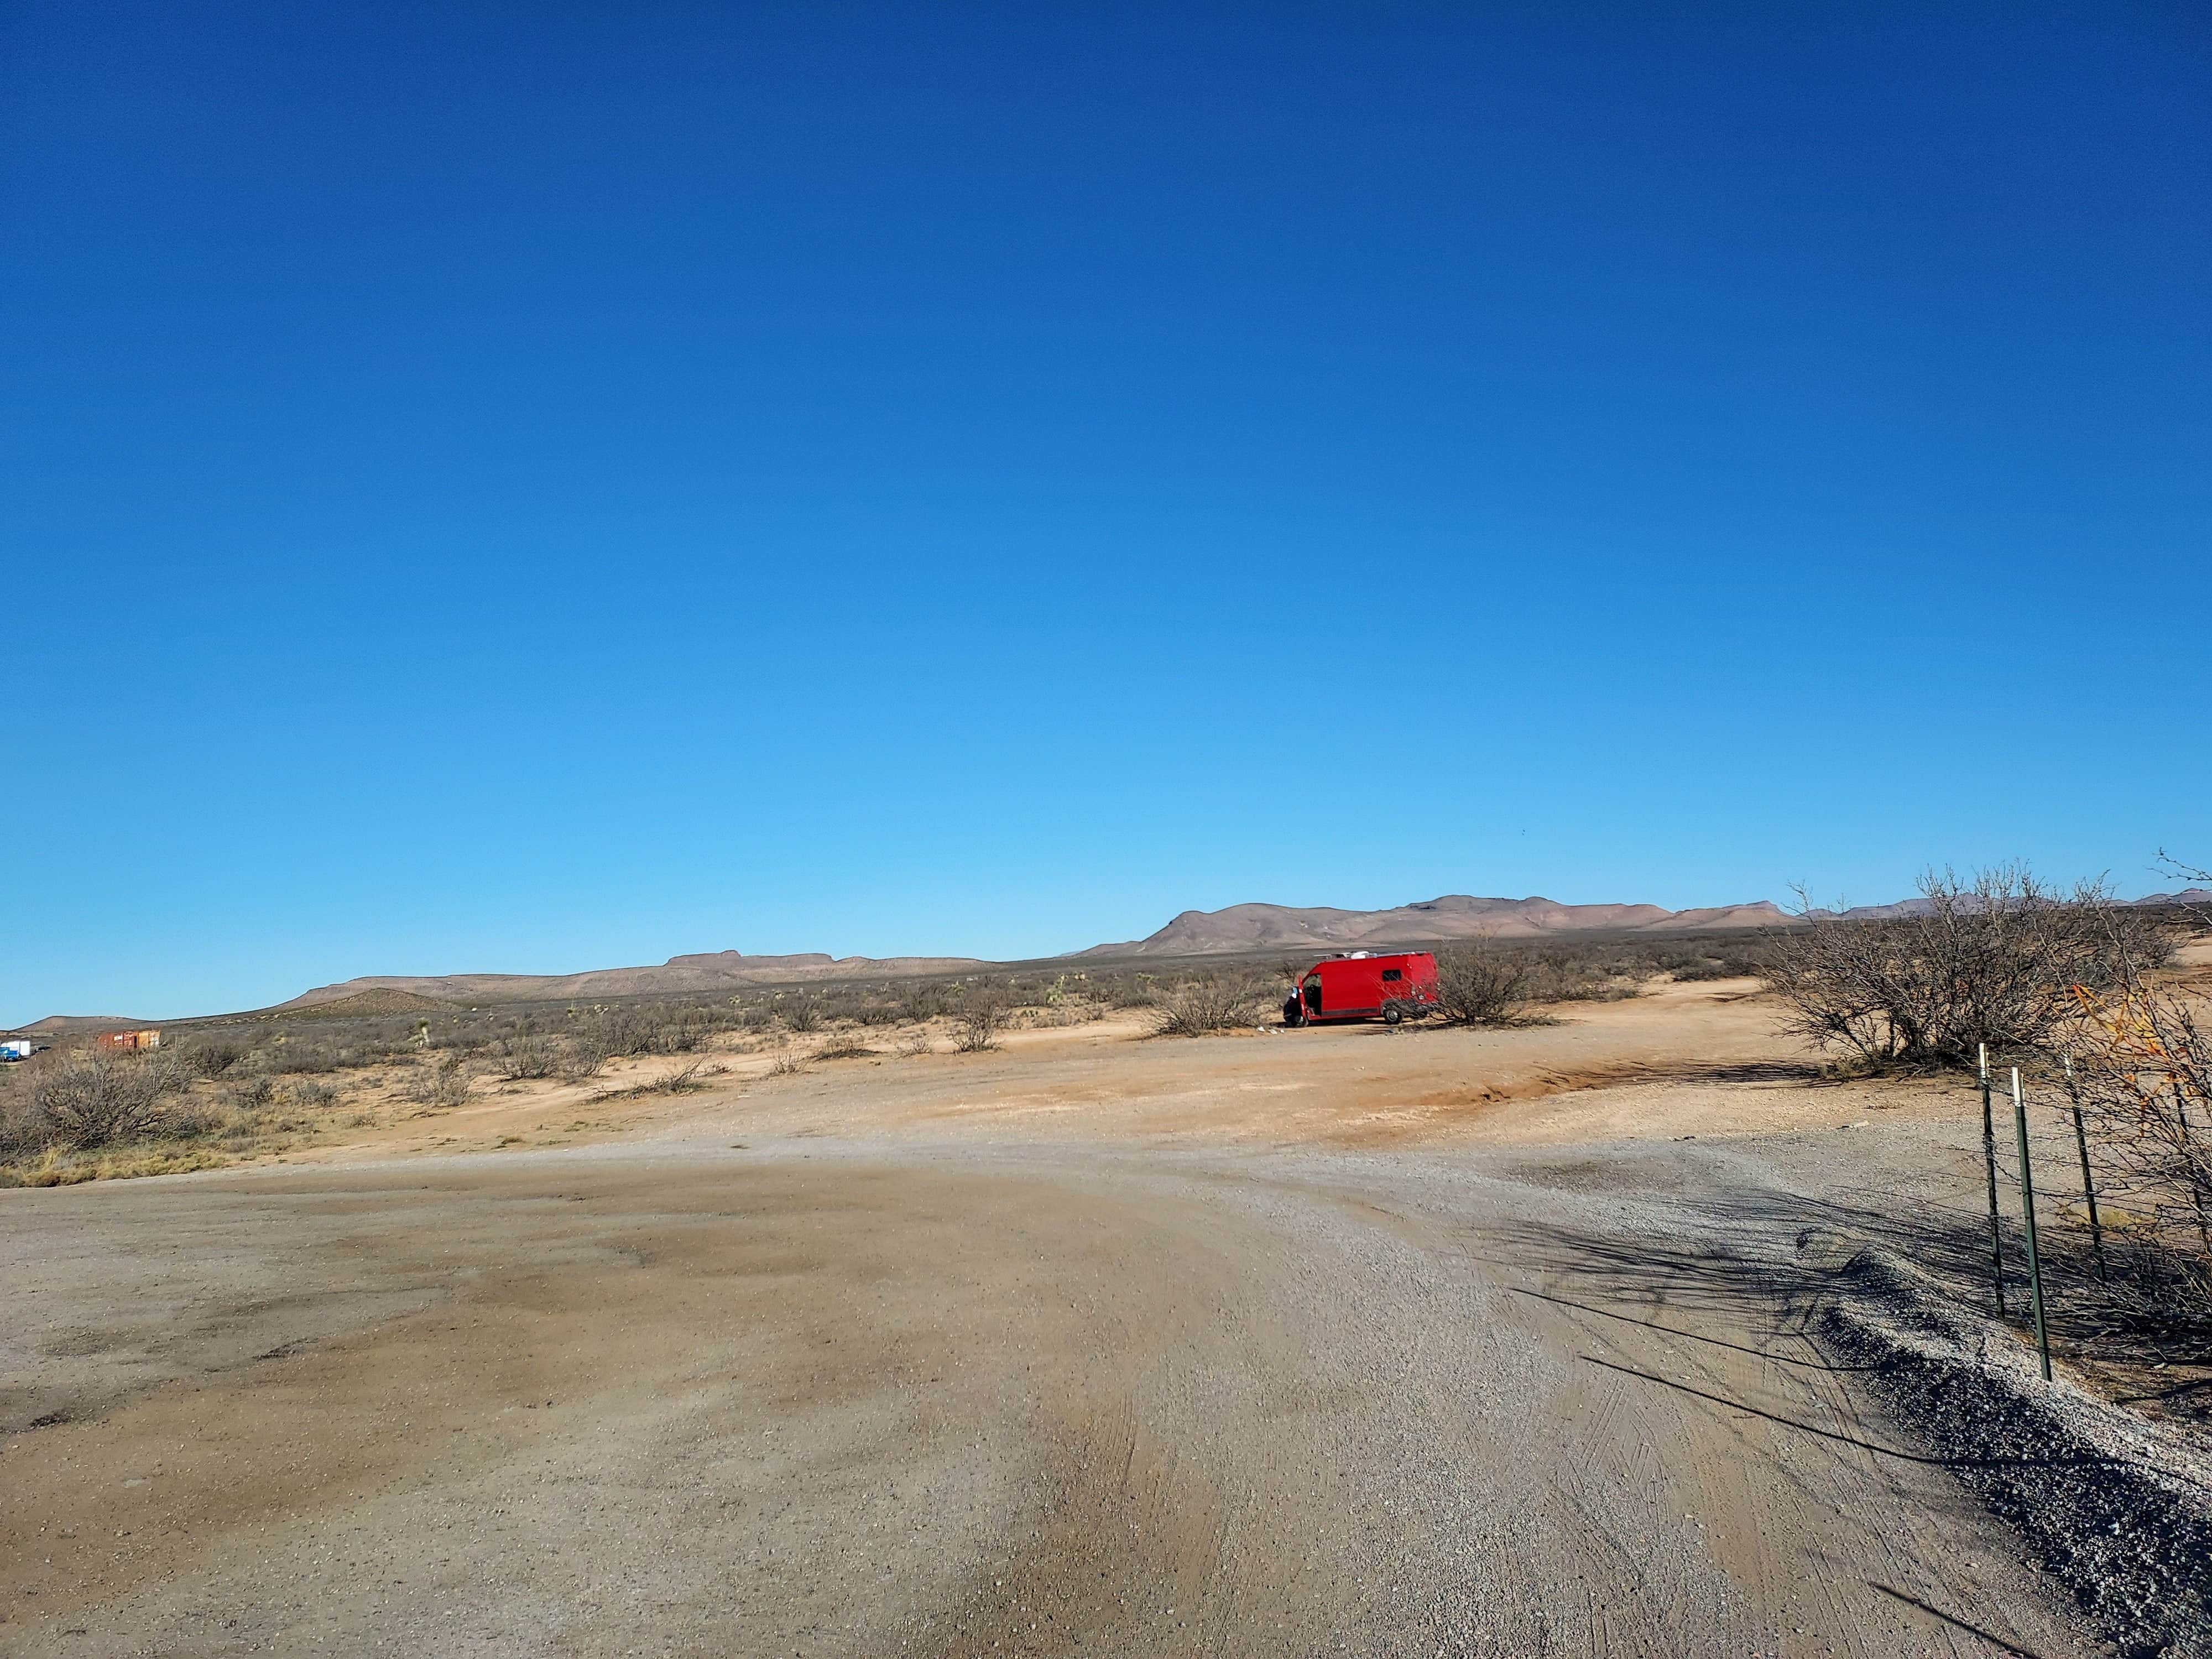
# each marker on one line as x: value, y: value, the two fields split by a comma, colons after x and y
x: 844, y: 1048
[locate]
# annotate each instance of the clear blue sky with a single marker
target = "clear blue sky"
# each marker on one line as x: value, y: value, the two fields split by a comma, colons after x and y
x: 532, y: 488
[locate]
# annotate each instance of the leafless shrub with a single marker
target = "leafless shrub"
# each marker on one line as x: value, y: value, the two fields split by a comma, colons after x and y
x: 1995, y: 963
x: 314, y: 1096
x: 444, y: 1085
x: 915, y: 1043
x: 584, y: 1058
x: 525, y: 1055
x: 980, y: 1016
x: 681, y: 1032
x: 1204, y: 1003
x: 789, y: 1064
x: 923, y: 999
x: 1482, y: 983
x: 681, y: 1080
x: 95, y: 1098
x: 627, y: 1031
x: 844, y: 1048
x: 23, y: 1128
x: 289, y: 1055
x: 256, y: 1092
x: 2139, y: 1062
x: 212, y: 1058
x: 801, y: 1014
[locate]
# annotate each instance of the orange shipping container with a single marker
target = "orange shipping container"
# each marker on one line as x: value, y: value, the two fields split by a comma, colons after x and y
x: 129, y: 1039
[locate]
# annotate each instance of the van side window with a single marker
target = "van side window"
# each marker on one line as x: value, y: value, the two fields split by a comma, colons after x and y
x: 1394, y: 973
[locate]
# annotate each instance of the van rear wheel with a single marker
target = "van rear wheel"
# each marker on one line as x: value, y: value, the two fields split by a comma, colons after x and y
x: 1392, y: 1013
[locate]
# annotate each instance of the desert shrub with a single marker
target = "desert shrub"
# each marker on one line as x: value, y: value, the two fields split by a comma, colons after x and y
x: 681, y: 1031
x: 844, y: 1048
x: 1998, y: 962
x: 629, y: 1030
x: 524, y: 1055
x: 291, y: 1056
x: 23, y: 1128
x: 253, y: 1092
x: 914, y: 1043
x: 445, y: 1083
x: 1482, y: 983
x: 583, y: 1057
x: 923, y: 999
x: 2138, y: 1064
x: 875, y: 1010
x: 789, y: 1064
x: 314, y: 1096
x: 212, y: 1058
x: 1204, y: 1003
x: 94, y: 1098
x: 801, y: 1014
x: 980, y: 1017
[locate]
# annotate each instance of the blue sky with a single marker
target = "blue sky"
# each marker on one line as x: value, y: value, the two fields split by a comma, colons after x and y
x: 538, y: 488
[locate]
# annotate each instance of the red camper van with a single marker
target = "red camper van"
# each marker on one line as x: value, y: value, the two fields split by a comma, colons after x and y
x: 1364, y: 986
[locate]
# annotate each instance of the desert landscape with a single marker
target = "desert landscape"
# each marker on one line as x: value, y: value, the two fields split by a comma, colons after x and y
x: 842, y: 1321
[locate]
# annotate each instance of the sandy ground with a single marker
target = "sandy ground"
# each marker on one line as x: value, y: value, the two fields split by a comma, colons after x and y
x: 1318, y: 1342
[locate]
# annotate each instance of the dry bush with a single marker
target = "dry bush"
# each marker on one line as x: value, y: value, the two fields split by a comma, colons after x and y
x: 212, y: 1058
x: 980, y: 1016
x: 314, y: 1096
x: 2139, y: 1059
x: 1205, y: 1003
x: 915, y: 1043
x: 95, y: 1098
x: 254, y: 1092
x: 445, y: 1083
x: 801, y: 1014
x: 1995, y: 963
x: 526, y: 1055
x: 921, y: 1001
x: 22, y: 1127
x: 788, y: 1065
x: 288, y: 1055
x: 681, y: 1080
x: 1482, y: 983
x: 584, y: 1058
x: 844, y: 1048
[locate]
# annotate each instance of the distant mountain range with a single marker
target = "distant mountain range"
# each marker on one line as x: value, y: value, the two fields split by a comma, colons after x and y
x: 1456, y: 915
x: 713, y: 971
x: 1240, y: 928
x: 2198, y: 898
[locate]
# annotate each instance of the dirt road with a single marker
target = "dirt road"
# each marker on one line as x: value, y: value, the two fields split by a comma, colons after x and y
x: 939, y: 1390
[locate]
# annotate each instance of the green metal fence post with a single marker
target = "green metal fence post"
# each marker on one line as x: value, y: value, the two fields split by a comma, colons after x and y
x: 1990, y: 1164
x: 2027, y: 1207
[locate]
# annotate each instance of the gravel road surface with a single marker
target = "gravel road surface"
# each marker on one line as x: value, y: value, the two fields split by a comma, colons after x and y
x: 864, y: 1396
